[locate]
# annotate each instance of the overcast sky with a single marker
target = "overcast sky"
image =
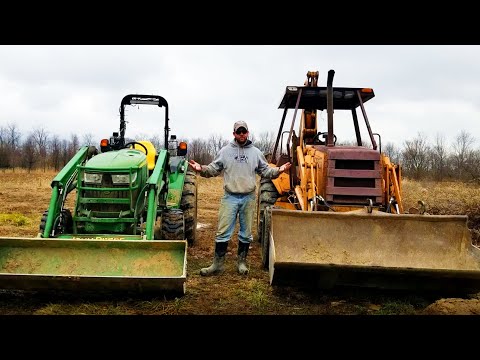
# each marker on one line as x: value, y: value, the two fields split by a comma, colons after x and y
x: 78, y: 89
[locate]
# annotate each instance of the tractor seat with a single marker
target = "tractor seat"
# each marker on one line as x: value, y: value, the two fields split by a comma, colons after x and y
x: 151, y: 154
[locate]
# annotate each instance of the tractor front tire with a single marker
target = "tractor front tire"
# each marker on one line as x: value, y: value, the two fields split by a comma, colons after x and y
x: 43, y: 222
x: 65, y: 226
x: 173, y: 225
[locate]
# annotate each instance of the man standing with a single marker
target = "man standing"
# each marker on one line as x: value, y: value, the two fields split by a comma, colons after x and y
x: 240, y: 160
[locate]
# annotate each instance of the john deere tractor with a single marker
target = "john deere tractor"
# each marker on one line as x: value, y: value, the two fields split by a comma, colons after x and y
x: 134, y: 214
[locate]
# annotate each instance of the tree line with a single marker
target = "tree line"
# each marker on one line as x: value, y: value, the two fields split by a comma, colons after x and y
x: 419, y: 157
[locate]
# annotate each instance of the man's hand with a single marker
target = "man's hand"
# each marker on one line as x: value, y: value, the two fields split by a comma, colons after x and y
x: 285, y: 167
x: 194, y: 165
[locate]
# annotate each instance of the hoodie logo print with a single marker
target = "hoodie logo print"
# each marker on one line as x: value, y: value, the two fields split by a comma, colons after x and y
x: 241, y: 158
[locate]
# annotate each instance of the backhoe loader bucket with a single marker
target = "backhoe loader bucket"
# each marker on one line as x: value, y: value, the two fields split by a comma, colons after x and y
x: 390, y: 251
x: 98, y: 265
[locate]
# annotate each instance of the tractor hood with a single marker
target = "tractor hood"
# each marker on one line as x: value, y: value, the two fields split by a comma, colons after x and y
x: 121, y: 159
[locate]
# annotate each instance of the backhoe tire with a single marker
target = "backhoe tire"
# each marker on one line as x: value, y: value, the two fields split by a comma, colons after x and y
x: 267, y: 196
x: 173, y: 225
x: 265, y: 244
x: 189, y: 206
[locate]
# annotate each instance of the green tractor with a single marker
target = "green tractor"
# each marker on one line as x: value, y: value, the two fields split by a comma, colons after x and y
x: 134, y: 214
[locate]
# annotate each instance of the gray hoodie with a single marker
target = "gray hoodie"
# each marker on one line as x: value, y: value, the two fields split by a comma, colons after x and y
x: 240, y: 164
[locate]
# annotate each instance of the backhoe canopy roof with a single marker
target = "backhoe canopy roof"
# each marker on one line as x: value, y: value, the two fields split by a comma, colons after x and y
x: 316, y: 97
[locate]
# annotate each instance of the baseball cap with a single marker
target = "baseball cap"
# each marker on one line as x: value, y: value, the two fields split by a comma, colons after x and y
x: 240, y: 124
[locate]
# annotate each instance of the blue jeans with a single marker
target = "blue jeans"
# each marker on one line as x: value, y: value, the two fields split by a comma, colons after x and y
x: 232, y: 205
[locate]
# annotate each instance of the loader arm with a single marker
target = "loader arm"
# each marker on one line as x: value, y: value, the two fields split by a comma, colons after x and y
x: 176, y: 180
x: 156, y: 189
x: 392, y: 177
x: 60, y: 187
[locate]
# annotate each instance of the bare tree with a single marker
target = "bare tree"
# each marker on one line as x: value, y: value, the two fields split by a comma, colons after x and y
x: 4, y: 159
x: 415, y: 157
x: 439, y: 157
x: 198, y: 150
x: 140, y: 136
x: 88, y: 139
x: 55, y: 152
x: 40, y: 138
x: 29, y: 152
x: 157, y: 141
x: 266, y: 142
x: 472, y: 165
x: 215, y: 143
x: 393, y: 152
x: 3, y: 135
x: 13, y: 143
x: 74, y: 146
x: 65, y: 152
x: 462, y: 148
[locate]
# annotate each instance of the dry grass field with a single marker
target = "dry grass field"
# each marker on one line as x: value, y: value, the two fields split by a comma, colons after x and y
x: 24, y: 197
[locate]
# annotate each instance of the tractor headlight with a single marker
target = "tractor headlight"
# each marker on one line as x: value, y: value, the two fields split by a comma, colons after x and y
x: 92, y: 178
x: 123, y: 178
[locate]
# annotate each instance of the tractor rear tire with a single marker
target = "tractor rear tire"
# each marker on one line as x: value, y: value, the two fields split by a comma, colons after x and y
x: 189, y: 206
x: 173, y: 225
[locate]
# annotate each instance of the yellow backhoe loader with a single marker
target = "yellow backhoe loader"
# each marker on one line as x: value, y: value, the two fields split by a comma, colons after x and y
x: 336, y: 218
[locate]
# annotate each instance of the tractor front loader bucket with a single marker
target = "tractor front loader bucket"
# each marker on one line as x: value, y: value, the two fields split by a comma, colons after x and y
x: 390, y: 251
x: 99, y: 265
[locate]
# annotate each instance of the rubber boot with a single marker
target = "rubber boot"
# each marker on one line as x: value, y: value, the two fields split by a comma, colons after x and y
x: 242, y: 258
x: 217, y: 267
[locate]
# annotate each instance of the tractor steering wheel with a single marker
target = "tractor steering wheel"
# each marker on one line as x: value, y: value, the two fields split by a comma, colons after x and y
x: 136, y: 143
